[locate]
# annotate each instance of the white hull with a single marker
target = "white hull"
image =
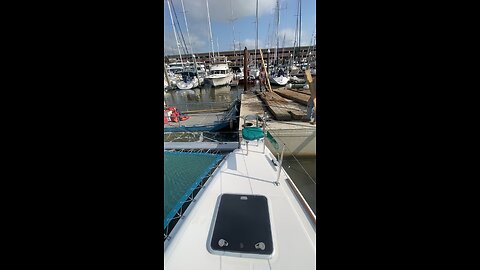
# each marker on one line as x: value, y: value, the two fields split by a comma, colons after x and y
x: 187, y: 85
x: 255, y: 73
x: 279, y: 80
x: 219, y: 79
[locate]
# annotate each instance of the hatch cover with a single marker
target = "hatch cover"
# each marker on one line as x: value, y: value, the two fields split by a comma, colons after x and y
x: 242, y: 226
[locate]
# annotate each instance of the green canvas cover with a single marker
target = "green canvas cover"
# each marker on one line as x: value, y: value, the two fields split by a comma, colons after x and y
x: 252, y: 133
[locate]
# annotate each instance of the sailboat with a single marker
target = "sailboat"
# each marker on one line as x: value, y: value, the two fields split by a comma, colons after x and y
x: 254, y: 71
x: 279, y: 76
x: 192, y: 76
x: 189, y: 80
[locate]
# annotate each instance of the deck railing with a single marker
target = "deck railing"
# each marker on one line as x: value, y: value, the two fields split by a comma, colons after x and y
x: 303, y: 184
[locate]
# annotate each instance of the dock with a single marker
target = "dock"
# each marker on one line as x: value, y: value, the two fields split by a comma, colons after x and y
x: 299, y: 136
x: 296, y: 96
x: 277, y: 105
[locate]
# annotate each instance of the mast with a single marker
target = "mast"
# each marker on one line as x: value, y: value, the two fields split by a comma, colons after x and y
x: 256, y: 41
x: 268, y: 36
x: 296, y: 35
x: 233, y: 28
x: 186, y: 25
x: 278, y: 25
x: 210, y: 28
x: 175, y: 32
x: 179, y: 29
x: 310, y: 48
x: 300, y: 29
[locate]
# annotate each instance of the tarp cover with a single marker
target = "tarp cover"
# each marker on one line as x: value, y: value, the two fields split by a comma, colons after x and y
x: 252, y: 133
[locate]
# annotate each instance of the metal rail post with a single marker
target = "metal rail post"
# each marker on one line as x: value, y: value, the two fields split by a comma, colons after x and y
x: 280, y: 166
x: 264, y: 129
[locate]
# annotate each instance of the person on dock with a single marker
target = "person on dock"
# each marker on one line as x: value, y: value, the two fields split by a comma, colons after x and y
x: 263, y: 79
x: 311, y: 109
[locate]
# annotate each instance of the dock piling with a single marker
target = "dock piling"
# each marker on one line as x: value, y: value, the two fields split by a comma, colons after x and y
x: 245, y: 71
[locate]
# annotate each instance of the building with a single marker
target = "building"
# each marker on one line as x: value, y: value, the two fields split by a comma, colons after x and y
x: 307, y: 53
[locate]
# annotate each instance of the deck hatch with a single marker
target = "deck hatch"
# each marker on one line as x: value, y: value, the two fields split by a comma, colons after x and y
x: 242, y: 226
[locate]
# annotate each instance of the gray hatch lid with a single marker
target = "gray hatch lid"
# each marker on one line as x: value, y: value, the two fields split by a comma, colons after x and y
x: 242, y: 227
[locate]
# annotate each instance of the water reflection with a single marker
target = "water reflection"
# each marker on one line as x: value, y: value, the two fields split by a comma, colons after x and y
x: 206, y: 95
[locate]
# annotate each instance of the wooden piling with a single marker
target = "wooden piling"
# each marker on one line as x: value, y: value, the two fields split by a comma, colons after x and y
x: 245, y: 70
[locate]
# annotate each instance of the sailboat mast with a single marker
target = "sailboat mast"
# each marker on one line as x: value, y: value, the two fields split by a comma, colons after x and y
x: 233, y: 29
x: 300, y: 30
x: 186, y: 25
x: 210, y: 28
x: 296, y: 33
x: 175, y: 32
x: 278, y: 25
x: 256, y: 41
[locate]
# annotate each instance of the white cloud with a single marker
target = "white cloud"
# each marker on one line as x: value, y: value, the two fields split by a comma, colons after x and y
x: 170, y: 45
x: 289, y: 35
x: 221, y: 10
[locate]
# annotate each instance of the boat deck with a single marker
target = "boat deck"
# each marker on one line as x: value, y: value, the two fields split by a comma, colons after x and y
x: 293, y: 231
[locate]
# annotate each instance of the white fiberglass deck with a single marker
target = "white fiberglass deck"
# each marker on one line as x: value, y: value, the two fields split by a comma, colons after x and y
x: 292, y: 231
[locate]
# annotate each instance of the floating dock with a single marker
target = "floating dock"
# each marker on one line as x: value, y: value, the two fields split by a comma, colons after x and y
x: 296, y: 96
x: 299, y: 136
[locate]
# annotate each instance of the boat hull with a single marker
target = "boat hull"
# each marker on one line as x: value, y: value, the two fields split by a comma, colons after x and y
x: 187, y: 85
x: 219, y: 79
x: 279, y: 80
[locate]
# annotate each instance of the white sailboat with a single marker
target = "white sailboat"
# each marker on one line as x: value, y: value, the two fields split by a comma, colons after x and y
x: 254, y: 71
x: 189, y: 80
x: 279, y: 76
x: 279, y: 79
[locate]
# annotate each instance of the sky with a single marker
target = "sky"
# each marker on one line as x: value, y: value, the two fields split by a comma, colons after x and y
x: 243, y: 21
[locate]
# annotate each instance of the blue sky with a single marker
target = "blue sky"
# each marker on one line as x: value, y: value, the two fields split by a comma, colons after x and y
x: 244, y: 23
